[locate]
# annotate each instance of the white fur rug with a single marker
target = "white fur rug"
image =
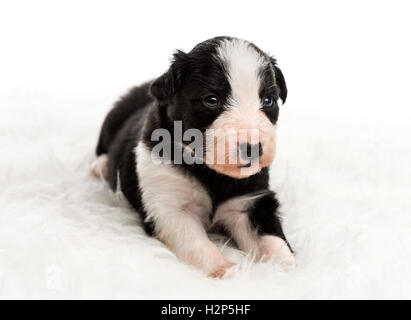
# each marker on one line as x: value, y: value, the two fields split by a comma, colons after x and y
x: 344, y: 188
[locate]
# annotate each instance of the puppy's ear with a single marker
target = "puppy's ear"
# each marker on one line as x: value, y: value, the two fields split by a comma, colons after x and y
x: 279, y: 77
x: 164, y: 87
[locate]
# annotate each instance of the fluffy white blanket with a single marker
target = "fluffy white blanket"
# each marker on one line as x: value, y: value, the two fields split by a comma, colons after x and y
x: 344, y: 188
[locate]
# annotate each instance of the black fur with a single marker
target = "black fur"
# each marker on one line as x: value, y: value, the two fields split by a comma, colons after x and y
x: 262, y: 217
x: 177, y: 95
x: 136, y: 99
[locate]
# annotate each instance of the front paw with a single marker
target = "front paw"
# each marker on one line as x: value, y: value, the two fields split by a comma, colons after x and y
x: 275, y: 249
x: 221, y: 271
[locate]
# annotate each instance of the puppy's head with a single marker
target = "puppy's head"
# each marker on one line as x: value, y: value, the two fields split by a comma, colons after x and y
x: 229, y: 89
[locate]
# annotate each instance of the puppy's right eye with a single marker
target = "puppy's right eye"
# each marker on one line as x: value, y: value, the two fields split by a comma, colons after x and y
x: 211, y: 101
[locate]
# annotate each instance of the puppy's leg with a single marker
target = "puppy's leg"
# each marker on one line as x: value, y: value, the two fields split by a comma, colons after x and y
x: 99, y: 167
x: 253, y: 222
x: 185, y: 235
x: 179, y: 207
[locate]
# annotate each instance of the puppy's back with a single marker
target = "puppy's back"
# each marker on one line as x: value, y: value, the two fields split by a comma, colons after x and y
x: 136, y: 99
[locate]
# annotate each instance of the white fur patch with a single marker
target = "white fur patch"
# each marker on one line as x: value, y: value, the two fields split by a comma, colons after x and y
x: 244, y: 64
x: 233, y: 216
x: 179, y: 206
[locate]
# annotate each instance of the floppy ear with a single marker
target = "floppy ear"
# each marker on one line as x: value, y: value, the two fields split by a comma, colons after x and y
x: 164, y: 87
x: 279, y: 77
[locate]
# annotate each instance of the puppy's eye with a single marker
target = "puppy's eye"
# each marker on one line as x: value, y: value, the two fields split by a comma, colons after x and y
x: 211, y: 101
x: 268, y: 102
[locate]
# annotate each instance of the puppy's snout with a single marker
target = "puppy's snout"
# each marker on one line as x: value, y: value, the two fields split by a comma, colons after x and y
x: 250, y: 151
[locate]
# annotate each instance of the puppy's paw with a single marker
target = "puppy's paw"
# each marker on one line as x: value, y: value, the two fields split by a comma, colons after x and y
x: 99, y: 167
x: 221, y: 271
x: 288, y: 263
x: 275, y: 249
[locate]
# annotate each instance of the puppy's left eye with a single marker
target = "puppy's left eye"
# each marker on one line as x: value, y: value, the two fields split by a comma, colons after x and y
x: 211, y: 101
x: 268, y: 102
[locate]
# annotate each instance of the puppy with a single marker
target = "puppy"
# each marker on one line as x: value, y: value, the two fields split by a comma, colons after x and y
x: 191, y: 150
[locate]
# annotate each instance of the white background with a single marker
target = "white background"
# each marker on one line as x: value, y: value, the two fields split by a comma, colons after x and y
x: 345, y: 57
x: 342, y: 172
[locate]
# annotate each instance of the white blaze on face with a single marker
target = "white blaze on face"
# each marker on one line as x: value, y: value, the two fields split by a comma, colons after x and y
x: 243, y: 63
x: 243, y: 110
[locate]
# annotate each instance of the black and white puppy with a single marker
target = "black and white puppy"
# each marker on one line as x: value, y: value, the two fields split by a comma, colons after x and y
x: 224, y: 85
